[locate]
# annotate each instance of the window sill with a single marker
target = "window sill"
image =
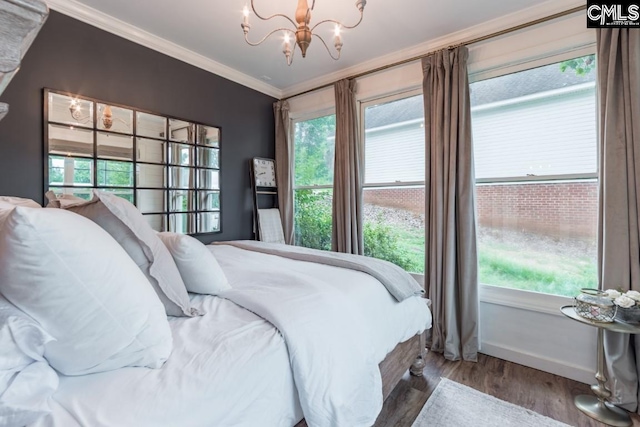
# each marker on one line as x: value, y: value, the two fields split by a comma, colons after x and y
x: 525, y: 300
x: 517, y: 298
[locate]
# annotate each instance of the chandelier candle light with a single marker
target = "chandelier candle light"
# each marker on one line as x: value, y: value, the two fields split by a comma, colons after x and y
x: 302, y: 32
x: 75, y: 109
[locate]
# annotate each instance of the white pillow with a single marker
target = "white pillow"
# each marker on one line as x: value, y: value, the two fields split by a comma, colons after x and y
x: 8, y: 201
x: 26, y: 379
x: 75, y: 280
x: 198, y: 267
x: 128, y: 227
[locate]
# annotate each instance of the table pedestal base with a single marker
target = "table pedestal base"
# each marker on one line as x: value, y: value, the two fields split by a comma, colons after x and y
x: 603, y: 412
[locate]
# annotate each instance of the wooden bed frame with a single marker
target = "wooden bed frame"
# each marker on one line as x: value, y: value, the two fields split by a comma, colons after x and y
x: 406, y: 355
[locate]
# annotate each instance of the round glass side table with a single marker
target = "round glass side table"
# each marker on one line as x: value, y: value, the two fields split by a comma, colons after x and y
x: 597, y: 406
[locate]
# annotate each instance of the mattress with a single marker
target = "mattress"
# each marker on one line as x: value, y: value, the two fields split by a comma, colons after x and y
x: 228, y: 367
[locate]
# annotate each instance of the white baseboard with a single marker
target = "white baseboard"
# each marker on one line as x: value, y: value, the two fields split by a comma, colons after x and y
x: 536, y: 361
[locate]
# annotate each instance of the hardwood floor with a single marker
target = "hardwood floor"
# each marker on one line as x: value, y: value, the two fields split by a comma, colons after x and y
x: 539, y: 391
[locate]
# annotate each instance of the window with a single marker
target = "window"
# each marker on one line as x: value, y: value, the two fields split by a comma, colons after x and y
x: 536, y: 172
x: 314, y: 146
x: 168, y: 168
x: 394, y: 181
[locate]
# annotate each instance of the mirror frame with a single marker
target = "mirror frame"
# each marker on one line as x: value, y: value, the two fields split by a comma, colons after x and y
x: 194, y: 213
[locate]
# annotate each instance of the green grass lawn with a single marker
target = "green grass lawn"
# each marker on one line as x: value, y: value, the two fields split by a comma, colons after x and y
x: 411, y: 245
x: 515, y: 266
x: 535, y: 270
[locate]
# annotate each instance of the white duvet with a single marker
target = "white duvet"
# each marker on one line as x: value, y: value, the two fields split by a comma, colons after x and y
x: 230, y: 367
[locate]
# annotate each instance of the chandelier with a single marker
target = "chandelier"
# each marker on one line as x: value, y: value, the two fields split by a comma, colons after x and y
x: 301, y: 31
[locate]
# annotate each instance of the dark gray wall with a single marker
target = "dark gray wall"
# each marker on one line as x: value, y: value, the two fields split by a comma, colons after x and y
x: 71, y: 56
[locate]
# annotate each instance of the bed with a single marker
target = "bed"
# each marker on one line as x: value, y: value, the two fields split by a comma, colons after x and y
x: 230, y: 367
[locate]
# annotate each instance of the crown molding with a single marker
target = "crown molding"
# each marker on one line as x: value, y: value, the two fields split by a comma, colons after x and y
x: 132, y: 33
x: 542, y: 10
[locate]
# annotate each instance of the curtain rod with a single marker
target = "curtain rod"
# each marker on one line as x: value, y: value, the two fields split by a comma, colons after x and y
x: 467, y: 42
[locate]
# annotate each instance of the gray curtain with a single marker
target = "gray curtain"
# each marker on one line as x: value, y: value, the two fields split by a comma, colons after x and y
x: 346, y: 233
x: 451, y: 264
x: 619, y: 223
x: 284, y: 167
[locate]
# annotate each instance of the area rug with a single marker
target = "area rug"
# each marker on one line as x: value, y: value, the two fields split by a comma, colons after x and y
x: 455, y: 405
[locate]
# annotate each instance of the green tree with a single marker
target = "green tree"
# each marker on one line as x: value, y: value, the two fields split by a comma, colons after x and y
x: 313, y: 219
x: 314, y: 151
x: 115, y: 174
x: 82, y: 171
x: 313, y: 230
x: 314, y: 157
x: 382, y: 241
x: 581, y: 66
x: 56, y: 173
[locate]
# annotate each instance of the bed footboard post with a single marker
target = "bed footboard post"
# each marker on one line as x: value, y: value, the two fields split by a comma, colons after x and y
x: 418, y: 365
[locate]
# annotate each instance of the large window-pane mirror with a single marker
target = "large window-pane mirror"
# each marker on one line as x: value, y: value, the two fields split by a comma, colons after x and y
x: 115, y: 119
x: 157, y: 222
x: 182, y: 223
x: 151, y: 176
x: 208, y: 200
x: 208, y: 136
x: 69, y: 110
x: 181, y: 177
x: 115, y: 174
x: 181, y: 131
x: 70, y: 141
x: 181, y: 200
x: 114, y: 146
x: 152, y: 201
x: 208, y: 157
x: 151, y: 151
x: 168, y: 167
x: 70, y: 171
x: 151, y: 126
x: 208, y: 179
x: 208, y: 222
x: 181, y: 154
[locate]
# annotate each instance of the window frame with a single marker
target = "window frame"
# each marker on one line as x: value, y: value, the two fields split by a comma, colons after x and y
x: 536, y: 96
x: 293, y: 121
x: 519, y: 298
x: 386, y: 99
x: 379, y: 100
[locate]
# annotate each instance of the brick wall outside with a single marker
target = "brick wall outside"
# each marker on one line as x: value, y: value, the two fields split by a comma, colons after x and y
x: 567, y: 209
x: 411, y: 199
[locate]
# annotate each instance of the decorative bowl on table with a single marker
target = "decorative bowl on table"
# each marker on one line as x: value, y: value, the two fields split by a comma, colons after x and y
x: 627, y: 304
x: 595, y: 305
x: 628, y: 315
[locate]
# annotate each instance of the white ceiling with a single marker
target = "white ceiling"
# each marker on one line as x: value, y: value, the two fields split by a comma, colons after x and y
x: 208, y: 34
